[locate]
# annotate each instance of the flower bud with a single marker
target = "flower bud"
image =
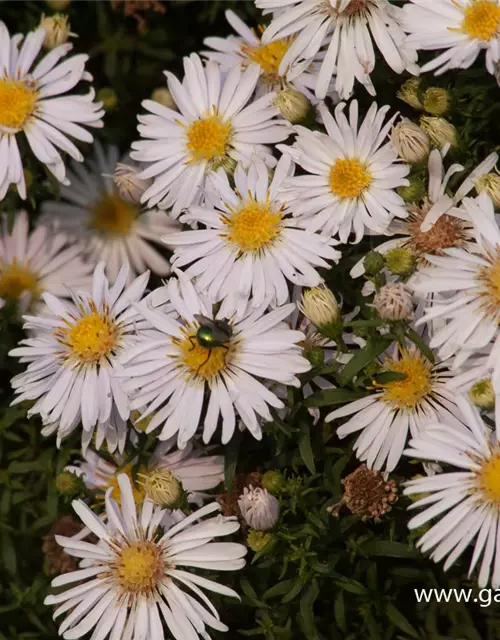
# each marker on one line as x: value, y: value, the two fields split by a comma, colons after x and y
x: 224, y: 162
x: 58, y: 5
x: 482, y: 394
x: 57, y: 30
x: 401, y: 261
x: 257, y: 540
x: 162, y: 487
x: 440, y: 131
x: 409, y: 93
x: 259, y: 509
x: 436, y: 101
x: 320, y: 307
x: 129, y: 185
x: 164, y: 97
x: 373, y: 263
x: 489, y: 184
x: 315, y: 355
x: 394, y: 302
x: 273, y: 481
x: 68, y: 484
x: 411, y: 143
x: 108, y: 97
x: 293, y: 105
x: 415, y: 192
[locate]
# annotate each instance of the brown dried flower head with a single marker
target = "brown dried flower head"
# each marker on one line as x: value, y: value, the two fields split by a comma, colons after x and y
x: 135, y: 8
x: 58, y: 560
x: 367, y: 493
x: 229, y: 499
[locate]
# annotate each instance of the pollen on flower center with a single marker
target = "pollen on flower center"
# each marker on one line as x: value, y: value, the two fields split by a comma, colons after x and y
x: 349, y: 178
x: 268, y: 57
x: 17, y: 103
x: 15, y: 279
x: 481, y: 19
x: 489, y: 279
x: 112, y: 216
x: 208, y: 139
x: 489, y: 478
x: 140, y: 567
x: 408, y: 392
x: 107, y: 481
x: 253, y: 227
x: 92, y: 338
x: 203, y: 362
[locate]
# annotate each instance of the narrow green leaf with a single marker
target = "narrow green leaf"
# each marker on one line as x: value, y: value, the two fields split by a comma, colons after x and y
x: 306, y: 613
x: 352, y: 586
x: 332, y: 396
x: 364, y: 357
x: 389, y: 376
x: 417, y: 340
x: 305, y: 447
x: 388, y: 549
x: 339, y: 611
x: 278, y: 589
x: 231, y: 458
x: 399, y: 621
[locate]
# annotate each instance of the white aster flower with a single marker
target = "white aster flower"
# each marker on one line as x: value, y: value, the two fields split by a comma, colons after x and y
x: 131, y: 581
x: 355, y: 172
x: 466, y: 501
x: 74, y: 356
x: 38, y: 262
x: 348, y: 28
x: 195, y: 472
x: 470, y: 280
x: 112, y: 228
x: 462, y: 27
x: 259, y: 508
x: 247, y: 48
x: 436, y: 223
x: 217, y: 123
x: 31, y: 102
x: 251, y: 246
x: 188, y: 357
x: 399, y: 407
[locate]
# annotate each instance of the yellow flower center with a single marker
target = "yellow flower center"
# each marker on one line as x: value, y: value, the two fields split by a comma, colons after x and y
x: 489, y: 478
x: 111, y: 480
x: 408, y: 392
x: 113, y: 216
x: 253, y: 227
x: 489, y: 279
x: 268, y: 57
x: 92, y: 338
x: 203, y: 362
x: 17, y: 103
x: 481, y: 19
x: 349, y: 178
x: 140, y: 567
x: 208, y: 139
x: 15, y: 279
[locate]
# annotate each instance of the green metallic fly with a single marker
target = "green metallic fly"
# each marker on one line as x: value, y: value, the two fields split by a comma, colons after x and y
x: 211, y: 334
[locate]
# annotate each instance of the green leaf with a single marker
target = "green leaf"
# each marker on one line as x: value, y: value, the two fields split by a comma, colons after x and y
x: 278, y: 590
x: 306, y: 613
x: 399, y: 621
x: 388, y: 549
x: 305, y: 447
x: 352, y: 586
x: 8, y: 553
x: 339, y: 611
x: 249, y: 591
x: 293, y: 592
x: 364, y: 357
x: 412, y: 335
x: 231, y: 458
x: 389, y: 376
x: 332, y: 396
